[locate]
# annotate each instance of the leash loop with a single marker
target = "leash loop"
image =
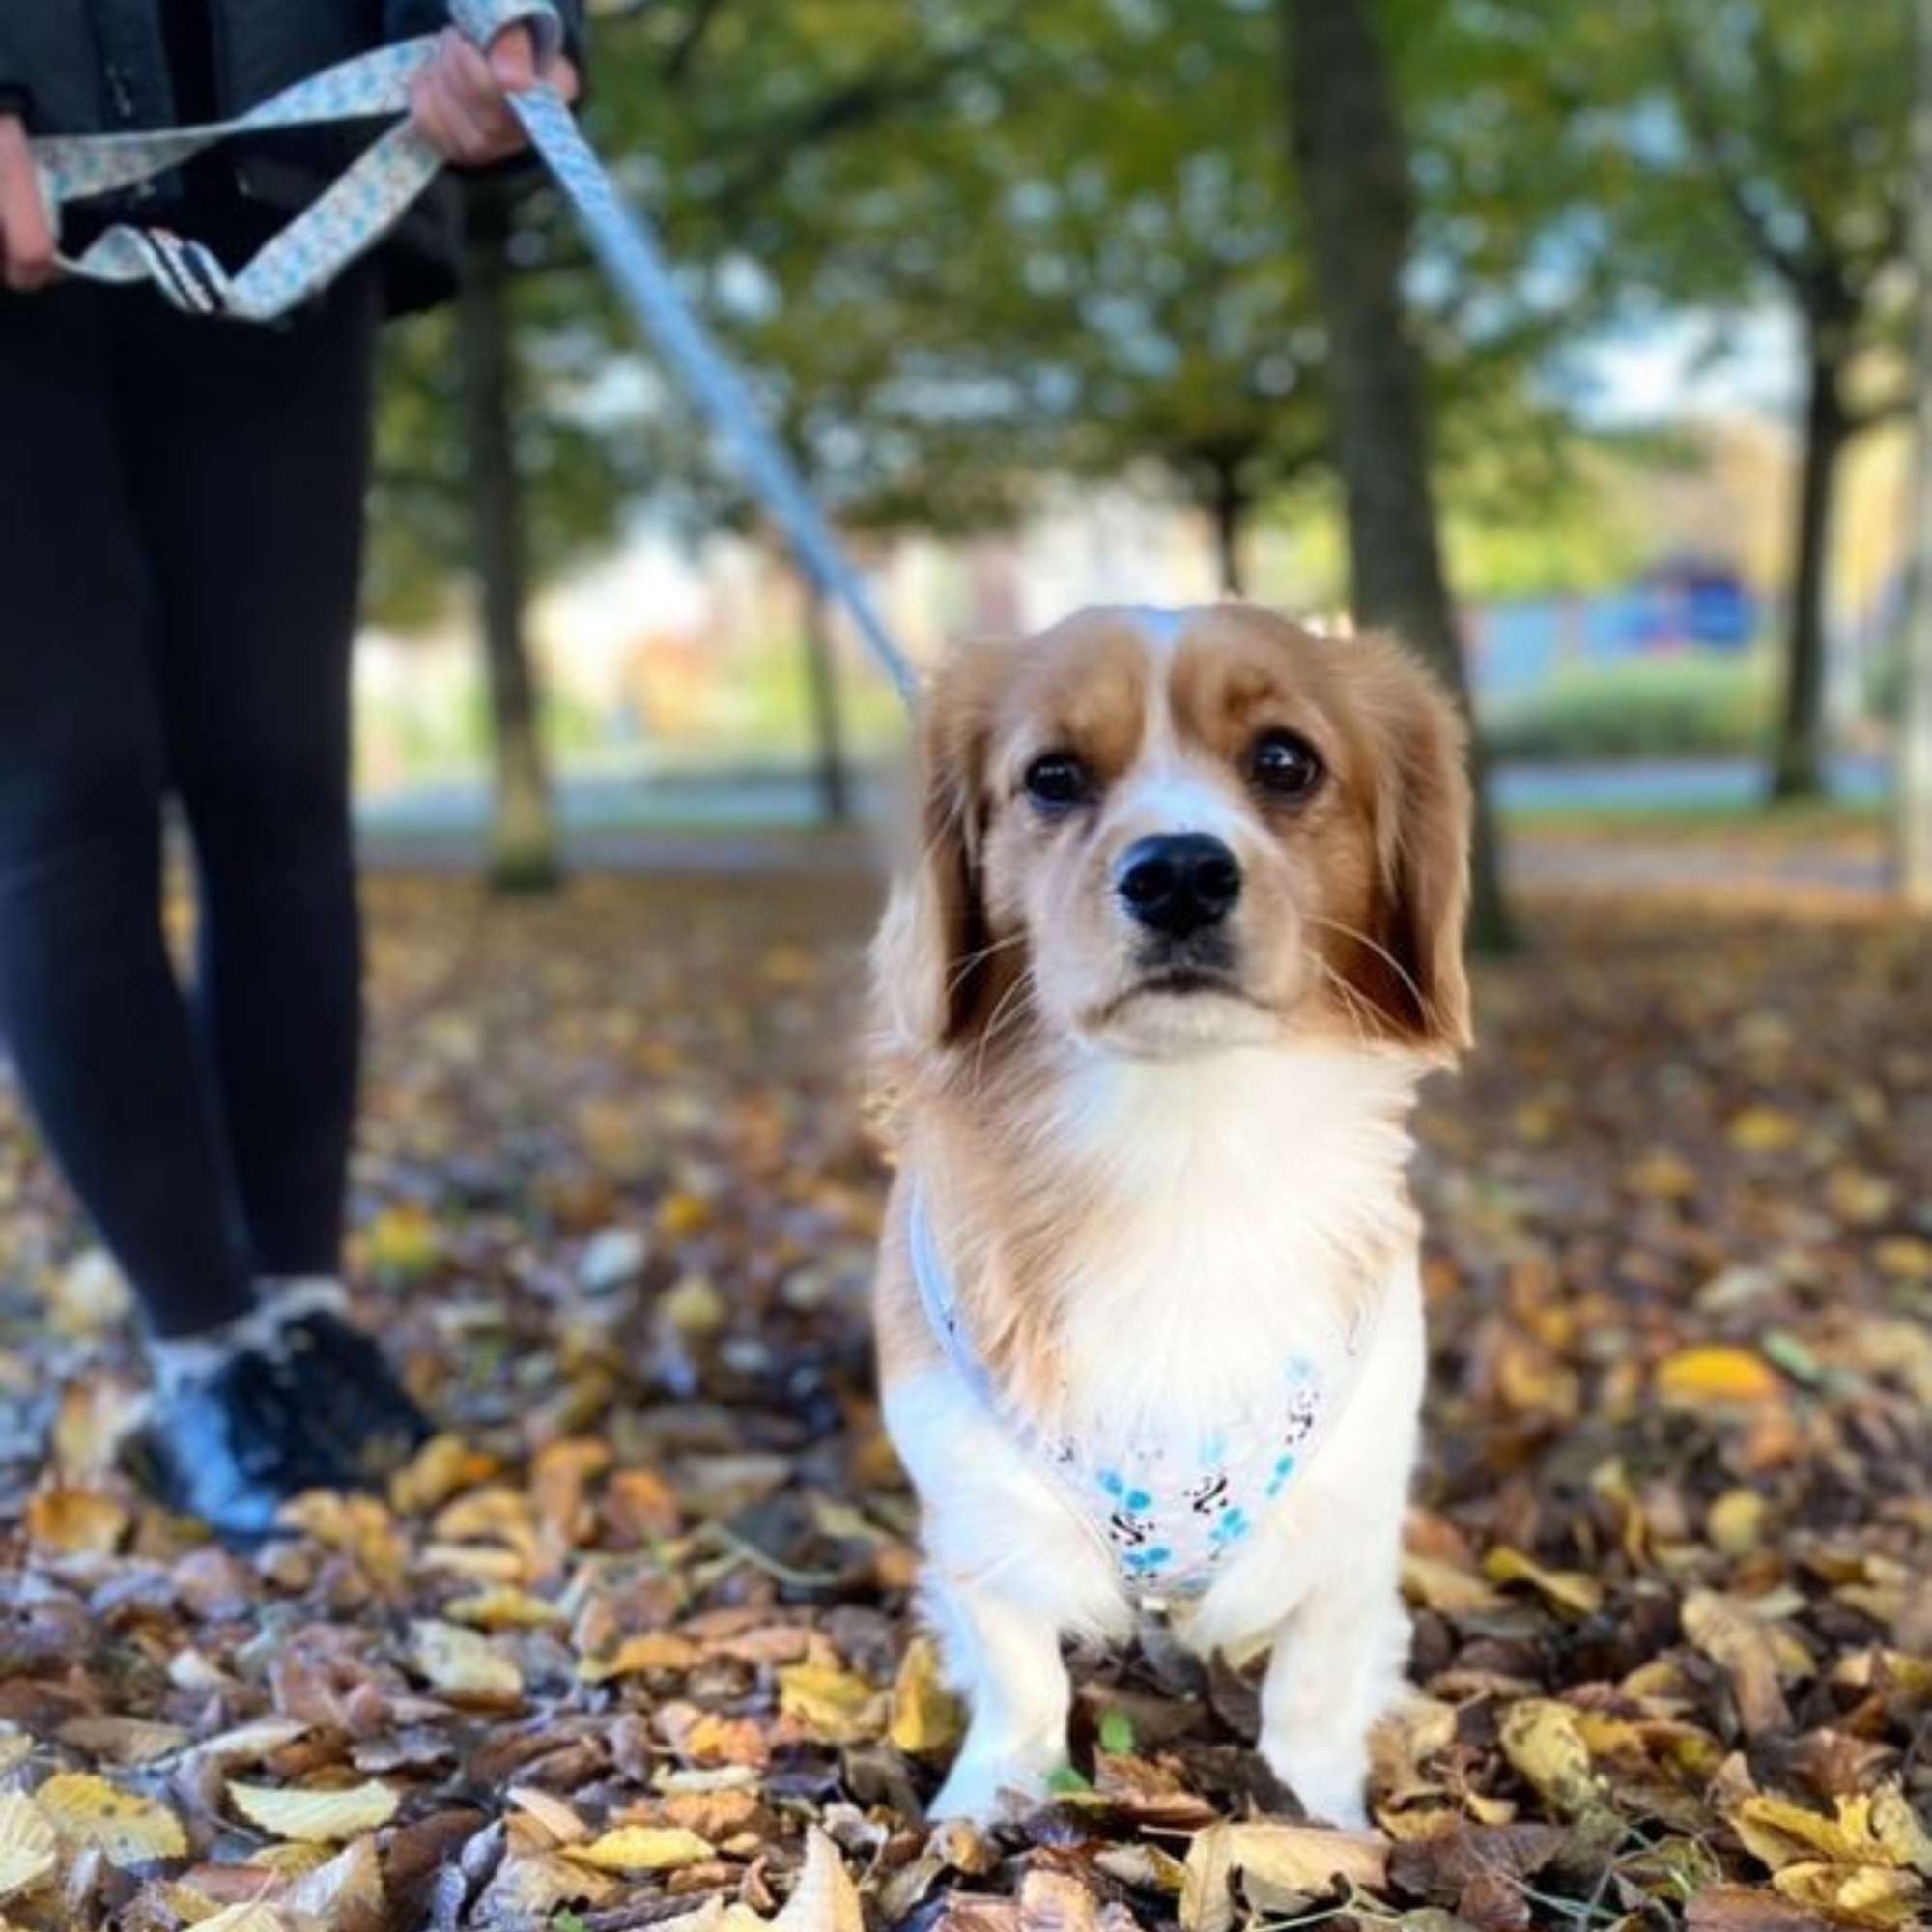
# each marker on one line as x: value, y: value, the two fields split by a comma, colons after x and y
x: 359, y: 209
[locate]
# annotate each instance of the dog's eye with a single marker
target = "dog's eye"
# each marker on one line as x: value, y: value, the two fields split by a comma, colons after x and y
x: 1057, y: 780
x: 1285, y: 764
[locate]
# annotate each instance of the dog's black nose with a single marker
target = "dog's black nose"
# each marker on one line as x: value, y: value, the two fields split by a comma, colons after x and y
x: 1178, y: 883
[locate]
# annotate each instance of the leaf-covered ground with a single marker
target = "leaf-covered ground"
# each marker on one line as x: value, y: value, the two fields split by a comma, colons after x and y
x: 630, y: 1644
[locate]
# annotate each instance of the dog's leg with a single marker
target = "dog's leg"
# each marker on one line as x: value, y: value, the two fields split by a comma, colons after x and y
x: 1004, y: 1659
x: 1337, y: 1664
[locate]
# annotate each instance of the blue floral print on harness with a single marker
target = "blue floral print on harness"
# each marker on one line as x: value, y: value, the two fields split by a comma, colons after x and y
x: 1173, y: 1513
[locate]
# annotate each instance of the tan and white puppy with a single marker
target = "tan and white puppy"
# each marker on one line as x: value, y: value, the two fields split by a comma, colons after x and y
x: 1185, y: 934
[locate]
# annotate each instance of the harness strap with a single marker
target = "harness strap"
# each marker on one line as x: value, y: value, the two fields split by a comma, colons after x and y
x: 360, y: 208
x: 1105, y: 1497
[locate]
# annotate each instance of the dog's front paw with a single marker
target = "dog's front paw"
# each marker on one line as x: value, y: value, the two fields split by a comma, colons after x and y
x: 1330, y: 1783
x: 977, y: 1785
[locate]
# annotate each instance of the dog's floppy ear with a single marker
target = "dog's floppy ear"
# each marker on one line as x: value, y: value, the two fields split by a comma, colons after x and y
x: 930, y: 959
x: 1418, y: 981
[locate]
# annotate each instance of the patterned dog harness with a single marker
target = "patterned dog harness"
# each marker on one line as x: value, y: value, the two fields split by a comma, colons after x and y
x: 1172, y: 1510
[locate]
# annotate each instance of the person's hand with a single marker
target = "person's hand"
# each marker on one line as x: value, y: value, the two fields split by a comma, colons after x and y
x: 26, y: 236
x: 460, y: 99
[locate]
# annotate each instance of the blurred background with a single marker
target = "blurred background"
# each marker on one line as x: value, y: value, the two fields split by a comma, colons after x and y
x: 1033, y: 291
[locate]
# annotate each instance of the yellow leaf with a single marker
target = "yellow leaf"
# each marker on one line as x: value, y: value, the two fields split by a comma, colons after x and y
x: 316, y: 1817
x: 128, y: 1829
x: 1735, y: 1522
x: 1543, y: 1742
x: 653, y: 1650
x: 29, y: 1849
x: 1905, y: 1258
x: 445, y: 1464
x: 1447, y: 1588
x: 462, y: 1662
x: 836, y: 1706
x: 643, y: 1848
x: 505, y: 1608
x: 252, y: 1914
x: 401, y: 1240
x: 1764, y: 1130
x: 1895, y: 1826
x: 14, y: 1745
x: 1864, y: 1896
x: 1570, y: 1589
x: 925, y: 1715
x: 694, y: 1307
x: 1695, y: 1376
x: 1661, y: 1175
x: 76, y: 1521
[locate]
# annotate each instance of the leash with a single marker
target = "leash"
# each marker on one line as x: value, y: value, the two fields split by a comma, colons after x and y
x: 357, y: 209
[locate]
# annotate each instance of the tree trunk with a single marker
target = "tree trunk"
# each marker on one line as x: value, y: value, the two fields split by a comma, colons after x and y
x: 827, y: 721
x: 523, y: 834
x: 1915, y: 721
x: 1798, y: 767
x: 1229, y: 507
x: 1353, y: 165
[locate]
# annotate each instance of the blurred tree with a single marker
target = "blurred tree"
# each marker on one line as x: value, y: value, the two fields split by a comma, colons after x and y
x: 1915, y: 726
x: 1798, y: 115
x: 1725, y: 151
x: 1354, y: 171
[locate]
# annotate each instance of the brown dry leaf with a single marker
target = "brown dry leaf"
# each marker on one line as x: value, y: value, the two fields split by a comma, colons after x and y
x: 1543, y: 1740
x: 1276, y: 1863
x: 925, y: 1715
x: 76, y: 1521
x: 462, y: 1662
x: 1056, y: 1901
x: 556, y: 1817
x: 825, y: 1899
x: 346, y: 1892
x: 316, y: 1817
x: 834, y: 1706
x: 28, y: 1847
x: 125, y: 1827
x: 643, y: 1848
x: 1737, y: 1908
x: 124, y: 1740
x: 529, y: 1886
x: 1735, y: 1639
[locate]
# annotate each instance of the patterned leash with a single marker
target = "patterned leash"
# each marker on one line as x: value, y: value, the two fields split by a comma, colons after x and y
x: 357, y: 209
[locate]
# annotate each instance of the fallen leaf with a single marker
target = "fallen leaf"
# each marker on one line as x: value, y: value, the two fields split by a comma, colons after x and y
x: 29, y: 1848
x: 124, y: 1827
x: 643, y: 1848
x: 319, y: 1817
x: 925, y: 1715
x: 462, y: 1662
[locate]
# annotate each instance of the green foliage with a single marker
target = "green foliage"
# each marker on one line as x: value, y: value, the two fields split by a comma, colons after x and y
x: 1646, y: 707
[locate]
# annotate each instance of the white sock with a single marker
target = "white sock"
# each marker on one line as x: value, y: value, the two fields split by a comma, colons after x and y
x: 181, y: 1360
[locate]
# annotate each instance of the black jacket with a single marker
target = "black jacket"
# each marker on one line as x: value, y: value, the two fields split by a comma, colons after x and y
x: 87, y: 67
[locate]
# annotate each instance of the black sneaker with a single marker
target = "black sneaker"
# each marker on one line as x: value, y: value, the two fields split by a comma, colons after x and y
x: 233, y: 1446
x: 350, y: 1395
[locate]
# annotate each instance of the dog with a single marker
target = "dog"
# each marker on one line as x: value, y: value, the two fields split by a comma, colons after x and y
x: 1155, y: 998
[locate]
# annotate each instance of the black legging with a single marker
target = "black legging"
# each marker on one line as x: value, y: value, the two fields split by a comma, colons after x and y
x: 181, y: 525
